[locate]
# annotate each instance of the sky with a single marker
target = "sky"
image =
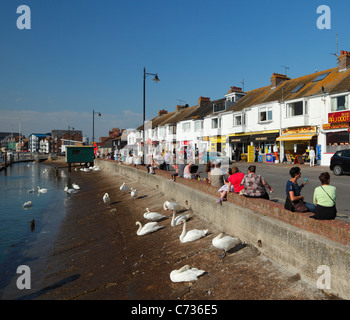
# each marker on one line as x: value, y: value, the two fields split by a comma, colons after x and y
x: 83, y: 56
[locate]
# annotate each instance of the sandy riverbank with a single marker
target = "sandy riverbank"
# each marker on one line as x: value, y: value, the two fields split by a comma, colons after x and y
x: 98, y: 255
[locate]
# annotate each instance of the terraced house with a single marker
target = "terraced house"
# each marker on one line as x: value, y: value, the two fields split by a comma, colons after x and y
x: 292, y: 114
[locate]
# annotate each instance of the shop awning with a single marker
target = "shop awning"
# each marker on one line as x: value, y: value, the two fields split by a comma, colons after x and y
x: 293, y: 137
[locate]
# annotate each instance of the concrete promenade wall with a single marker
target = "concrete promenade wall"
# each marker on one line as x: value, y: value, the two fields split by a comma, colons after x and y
x: 290, y: 239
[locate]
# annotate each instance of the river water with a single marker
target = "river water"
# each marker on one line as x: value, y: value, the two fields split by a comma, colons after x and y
x: 21, y: 242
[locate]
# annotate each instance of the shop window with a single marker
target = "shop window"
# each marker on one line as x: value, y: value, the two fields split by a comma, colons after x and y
x: 265, y: 114
x: 296, y: 109
x: 340, y: 103
x: 337, y: 141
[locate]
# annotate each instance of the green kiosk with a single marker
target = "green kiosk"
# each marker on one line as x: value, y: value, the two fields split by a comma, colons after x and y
x: 84, y: 155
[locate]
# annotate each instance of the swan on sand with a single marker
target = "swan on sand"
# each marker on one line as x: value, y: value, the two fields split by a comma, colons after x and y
x: 175, y: 221
x: 186, y: 273
x: 147, y: 228
x: 191, y: 235
x: 154, y: 216
x: 224, y: 243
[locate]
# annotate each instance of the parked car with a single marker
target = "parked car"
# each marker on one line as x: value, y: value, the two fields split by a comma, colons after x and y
x: 340, y: 162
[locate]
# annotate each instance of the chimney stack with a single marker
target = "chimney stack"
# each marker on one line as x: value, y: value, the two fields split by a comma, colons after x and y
x: 161, y: 112
x: 277, y: 78
x: 235, y: 89
x: 344, y: 60
x: 179, y: 107
x: 203, y: 100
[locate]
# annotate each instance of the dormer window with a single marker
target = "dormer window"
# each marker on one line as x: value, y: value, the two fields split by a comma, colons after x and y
x: 217, y: 107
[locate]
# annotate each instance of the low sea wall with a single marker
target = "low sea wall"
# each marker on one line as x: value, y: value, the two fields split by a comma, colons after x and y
x: 318, y: 251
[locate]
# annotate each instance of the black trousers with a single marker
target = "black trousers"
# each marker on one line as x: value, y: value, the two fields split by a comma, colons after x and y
x: 325, y: 213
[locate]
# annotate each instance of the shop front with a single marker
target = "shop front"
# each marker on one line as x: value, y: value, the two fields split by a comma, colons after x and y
x: 218, y: 143
x: 337, y: 134
x: 297, y: 142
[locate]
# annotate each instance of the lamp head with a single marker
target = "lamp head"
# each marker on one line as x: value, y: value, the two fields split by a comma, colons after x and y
x: 156, y: 79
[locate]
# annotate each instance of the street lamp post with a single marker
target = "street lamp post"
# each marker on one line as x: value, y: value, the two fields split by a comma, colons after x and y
x: 93, y: 123
x: 156, y: 79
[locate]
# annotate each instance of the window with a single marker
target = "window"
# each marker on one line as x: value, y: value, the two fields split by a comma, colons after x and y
x: 298, y: 88
x: 238, y: 120
x: 296, y: 109
x: 218, y: 107
x: 198, y: 125
x: 321, y: 77
x: 172, y: 129
x: 186, y: 126
x: 265, y: 114
x: 215, y: 123
x: 340, y: 103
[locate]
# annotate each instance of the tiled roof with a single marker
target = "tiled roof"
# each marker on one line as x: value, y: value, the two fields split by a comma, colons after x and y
x: 334, y: 82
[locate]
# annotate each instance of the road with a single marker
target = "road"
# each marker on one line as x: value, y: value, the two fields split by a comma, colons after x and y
x: 278, y: 174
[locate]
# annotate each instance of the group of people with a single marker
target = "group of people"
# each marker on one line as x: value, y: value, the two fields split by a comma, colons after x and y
x: 252, y: 185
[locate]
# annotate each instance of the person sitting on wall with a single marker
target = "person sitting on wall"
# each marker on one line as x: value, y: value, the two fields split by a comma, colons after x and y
x: 324, y: 199
x: 293, y: 192
x: 187, y: 171
x: 254, y: 186
x: 232, y: 184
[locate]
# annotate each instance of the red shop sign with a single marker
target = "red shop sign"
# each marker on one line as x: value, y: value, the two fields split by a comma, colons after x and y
x: 343, y: 116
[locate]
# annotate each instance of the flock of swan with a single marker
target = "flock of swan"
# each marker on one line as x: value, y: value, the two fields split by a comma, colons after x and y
x: 186, y: 273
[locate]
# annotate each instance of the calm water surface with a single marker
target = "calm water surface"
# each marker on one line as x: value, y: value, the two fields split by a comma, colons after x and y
x: 19, y: 243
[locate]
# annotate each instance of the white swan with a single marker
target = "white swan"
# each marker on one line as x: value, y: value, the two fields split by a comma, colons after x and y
x: 134, y: 193
x: 224, y: 243
x: 186, y: 273
x: 75, y: 186
x: 27, y: 204
x: 191, y: 235
x: 124, y: 187
x: 147, y: 228
x: 154, y: 216
x: 176, y: 221
x: 106, y: 198
x: 69, y: 191
x: 41, y: 190
x: 171, y: 205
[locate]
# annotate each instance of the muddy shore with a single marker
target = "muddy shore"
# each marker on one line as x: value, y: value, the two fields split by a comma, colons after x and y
x: 99, y: 256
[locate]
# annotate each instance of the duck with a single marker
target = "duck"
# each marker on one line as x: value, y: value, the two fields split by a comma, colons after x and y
x: 31, y: 190
x: 154, y: 216
x: 106, y: 198
x: 185, y: 274
x: 41, y: 190
x: 27, y: 204
x: 177, y: 221
x: 75, y: 186
x: 147, y: 228
x: 171, y: 205
x: 134, y: 193
x: 191, y: 235
x: 224, y: 243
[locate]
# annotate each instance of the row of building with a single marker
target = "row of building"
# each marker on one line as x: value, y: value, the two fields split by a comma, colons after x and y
x: 55, y: 142
x: 294, y: 114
